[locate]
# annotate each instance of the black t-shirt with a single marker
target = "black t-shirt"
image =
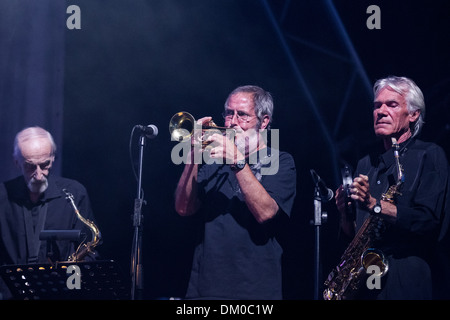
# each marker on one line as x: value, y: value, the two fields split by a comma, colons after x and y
x: 238, y: 258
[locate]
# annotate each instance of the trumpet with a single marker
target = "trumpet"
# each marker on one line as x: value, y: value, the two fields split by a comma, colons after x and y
x: 182, y: 125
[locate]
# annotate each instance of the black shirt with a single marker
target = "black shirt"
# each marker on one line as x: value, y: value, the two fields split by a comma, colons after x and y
x: 411, y: 241
x: 237, y: 257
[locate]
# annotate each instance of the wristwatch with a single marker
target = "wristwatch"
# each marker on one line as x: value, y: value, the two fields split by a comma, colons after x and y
x: 377, y: 208
x: 239, y: 165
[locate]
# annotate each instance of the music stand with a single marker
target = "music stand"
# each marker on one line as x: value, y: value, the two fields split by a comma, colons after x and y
x: 100, y: 280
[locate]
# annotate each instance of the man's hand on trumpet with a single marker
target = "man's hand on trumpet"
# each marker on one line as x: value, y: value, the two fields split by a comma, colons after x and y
x: 223, y: 146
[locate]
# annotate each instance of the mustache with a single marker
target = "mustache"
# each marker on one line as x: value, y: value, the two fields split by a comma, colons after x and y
x: 38, y: 185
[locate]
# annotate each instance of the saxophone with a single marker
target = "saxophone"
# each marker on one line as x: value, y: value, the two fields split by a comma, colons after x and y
x: 84, y: 248
x: 345, y: 279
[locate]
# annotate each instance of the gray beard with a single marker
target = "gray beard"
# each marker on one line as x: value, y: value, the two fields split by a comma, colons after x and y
x: 247, y: 144
x: 36, y: 186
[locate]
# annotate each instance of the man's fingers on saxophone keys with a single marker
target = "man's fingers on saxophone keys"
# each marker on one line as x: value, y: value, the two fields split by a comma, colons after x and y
x: 355, y: 193
x: 360, y: 189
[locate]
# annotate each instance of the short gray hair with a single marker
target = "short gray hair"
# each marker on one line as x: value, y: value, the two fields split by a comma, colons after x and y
x: 262, y: 101
x: 31, y: 133
x: 413, y: 96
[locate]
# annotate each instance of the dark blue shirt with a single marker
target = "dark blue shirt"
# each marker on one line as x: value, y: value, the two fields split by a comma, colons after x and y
x: 238, y: 258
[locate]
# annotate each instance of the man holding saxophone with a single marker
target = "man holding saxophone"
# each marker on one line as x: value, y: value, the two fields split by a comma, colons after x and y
x: 37, y: 201
x: 405, y: 183
x: 243, y: 209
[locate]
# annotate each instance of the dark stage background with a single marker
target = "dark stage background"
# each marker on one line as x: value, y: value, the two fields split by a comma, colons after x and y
x: 139, y: 62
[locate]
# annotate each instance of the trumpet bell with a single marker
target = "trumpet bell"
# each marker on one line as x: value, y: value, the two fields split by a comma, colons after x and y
x: 181, y: 126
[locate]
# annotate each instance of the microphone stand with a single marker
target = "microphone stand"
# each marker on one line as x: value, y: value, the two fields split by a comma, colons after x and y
x: 319, y: 217
x: 137, y: 283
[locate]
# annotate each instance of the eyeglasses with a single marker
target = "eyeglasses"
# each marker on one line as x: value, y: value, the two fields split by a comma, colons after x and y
x: 241, y: 116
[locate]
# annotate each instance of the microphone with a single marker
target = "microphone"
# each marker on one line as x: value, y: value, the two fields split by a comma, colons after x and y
x: 326, y: 194
x: 150, y: 131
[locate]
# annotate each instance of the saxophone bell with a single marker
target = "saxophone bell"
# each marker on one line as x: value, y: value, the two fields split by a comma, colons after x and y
x: 375, y: 257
